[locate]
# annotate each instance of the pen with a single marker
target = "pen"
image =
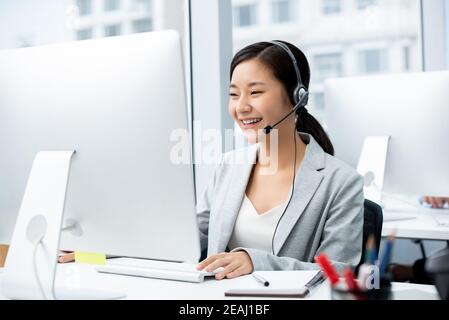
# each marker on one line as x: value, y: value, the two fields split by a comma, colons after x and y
x: 316, y: 280
x: 261, y: 280
x: 386, y: 256
x: 370, y: 251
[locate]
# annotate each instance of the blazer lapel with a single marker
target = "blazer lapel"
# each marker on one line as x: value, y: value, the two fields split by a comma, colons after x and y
x: 307, y: 182
x: 233, y: 200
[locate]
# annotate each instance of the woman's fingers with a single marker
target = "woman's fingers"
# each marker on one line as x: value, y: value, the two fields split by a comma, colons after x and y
x: 203, y: 264
x: 66, y: 257
x: 234, y: 264
x: 236, y: 273
x: 220, y: 262
x: 228, y: 269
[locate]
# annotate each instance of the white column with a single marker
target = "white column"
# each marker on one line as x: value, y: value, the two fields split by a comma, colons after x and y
x: 211, y: 49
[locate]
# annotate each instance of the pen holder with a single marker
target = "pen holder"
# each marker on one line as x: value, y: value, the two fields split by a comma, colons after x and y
x: 341, y: 292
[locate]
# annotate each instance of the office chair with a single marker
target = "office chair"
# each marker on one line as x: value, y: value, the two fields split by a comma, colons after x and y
x: 372, y: 224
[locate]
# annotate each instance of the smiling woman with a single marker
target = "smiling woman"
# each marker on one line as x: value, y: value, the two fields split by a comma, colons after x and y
x: 253, y: 219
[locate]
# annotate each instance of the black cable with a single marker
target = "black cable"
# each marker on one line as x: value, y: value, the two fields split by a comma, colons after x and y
x: 291, y: 195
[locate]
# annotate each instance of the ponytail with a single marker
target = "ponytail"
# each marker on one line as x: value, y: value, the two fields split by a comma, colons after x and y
x: 305, y: 122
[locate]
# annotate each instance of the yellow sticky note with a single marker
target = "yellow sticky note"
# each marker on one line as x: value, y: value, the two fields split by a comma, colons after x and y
x: 90, y: 258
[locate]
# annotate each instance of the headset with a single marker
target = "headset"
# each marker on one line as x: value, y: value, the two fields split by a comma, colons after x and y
x: 300, y: 93
x: 300, y: 98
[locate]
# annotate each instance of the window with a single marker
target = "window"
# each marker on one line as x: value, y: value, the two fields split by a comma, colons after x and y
x: 84, y: 7
x: 84, y: 34
x: 141, y: 5
x: 331, y: 6
x: 326, y: 66
x: 111, y: 5
x: 142, y: 25
x: 373, y: 60
x: 281, y: 11
x: 364, y: 4
x: 406, y: 58
x: 318, y: 101
x: 112, y: 30
x: 353, y: 42
x: 245, y: 15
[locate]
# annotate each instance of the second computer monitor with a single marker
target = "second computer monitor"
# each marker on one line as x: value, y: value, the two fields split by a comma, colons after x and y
x: 116, y: 101
x: 413, y: 109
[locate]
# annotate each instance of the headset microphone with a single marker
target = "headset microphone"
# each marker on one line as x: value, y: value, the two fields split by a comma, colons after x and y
x: 300, y: 93
x: 302, y: 102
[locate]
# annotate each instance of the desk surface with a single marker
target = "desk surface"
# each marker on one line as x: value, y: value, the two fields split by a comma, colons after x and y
x: 425, y: 226
x: 144, y: 288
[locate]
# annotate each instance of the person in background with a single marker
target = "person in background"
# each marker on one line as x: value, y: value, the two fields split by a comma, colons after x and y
x: 417, y: 273
x: 437, y: 202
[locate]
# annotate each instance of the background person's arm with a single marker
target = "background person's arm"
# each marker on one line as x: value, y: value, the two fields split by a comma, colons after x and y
x: 436, y: 202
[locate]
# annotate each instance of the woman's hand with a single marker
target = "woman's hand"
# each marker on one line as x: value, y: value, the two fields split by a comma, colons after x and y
x: 235, y: 264
x: 66, y: 256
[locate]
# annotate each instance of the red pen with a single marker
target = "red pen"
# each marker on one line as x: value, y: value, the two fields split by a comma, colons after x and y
x: 328, y: 269
x: 349, y: 278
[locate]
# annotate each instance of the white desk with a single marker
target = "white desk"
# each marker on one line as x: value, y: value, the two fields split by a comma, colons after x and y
x: 143, y: 288
x: 424, y: 226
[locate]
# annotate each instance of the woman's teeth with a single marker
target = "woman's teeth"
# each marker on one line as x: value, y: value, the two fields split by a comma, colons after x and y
x: 251, y: 121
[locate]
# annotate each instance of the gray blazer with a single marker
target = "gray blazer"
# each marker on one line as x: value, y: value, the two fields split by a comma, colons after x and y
x: 325, y: 214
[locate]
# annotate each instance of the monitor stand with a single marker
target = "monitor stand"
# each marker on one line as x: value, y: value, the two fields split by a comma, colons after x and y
x: 371, y: 166
x: 30, y: 268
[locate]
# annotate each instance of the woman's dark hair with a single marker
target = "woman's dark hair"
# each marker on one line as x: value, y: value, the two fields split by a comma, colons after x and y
x: 280, y: 64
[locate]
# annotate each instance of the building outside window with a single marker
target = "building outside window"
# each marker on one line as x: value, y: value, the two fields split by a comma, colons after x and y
x: 111, y: 5
x: 328, y: 65
x: 406, y: 58
x: 112, y: 30
x: 281, y: 11
x: 373, y: 61
x: 142, y: 25
x: 144, y: 5
x: 245, y: 15
x: 331, y: 6
x: 84, y: 7
x: 354, y: 42
x: 364, y: 4
x: 84, y: 34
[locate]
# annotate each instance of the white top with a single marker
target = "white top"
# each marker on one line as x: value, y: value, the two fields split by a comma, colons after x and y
x: 254, y: 230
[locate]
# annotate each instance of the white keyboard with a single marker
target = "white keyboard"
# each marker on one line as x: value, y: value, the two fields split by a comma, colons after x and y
x: 155, y: 269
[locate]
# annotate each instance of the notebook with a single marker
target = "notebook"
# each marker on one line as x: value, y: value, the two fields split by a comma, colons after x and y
x: 286, y: 284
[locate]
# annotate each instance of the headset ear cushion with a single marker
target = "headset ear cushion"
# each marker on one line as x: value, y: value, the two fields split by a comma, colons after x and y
x: 301, y: 94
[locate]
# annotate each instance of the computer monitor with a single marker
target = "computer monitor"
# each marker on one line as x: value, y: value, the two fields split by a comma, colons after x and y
x: 412, y: 109
x: 116, y: 101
